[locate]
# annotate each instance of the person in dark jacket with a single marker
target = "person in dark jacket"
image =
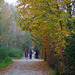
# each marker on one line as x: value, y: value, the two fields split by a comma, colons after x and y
x: 30, y: 54
x: 36, y: 53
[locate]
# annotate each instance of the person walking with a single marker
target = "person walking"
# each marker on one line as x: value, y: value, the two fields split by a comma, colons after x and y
x: 36, y: 53
x: 30, y: 54
x: 26, y: 53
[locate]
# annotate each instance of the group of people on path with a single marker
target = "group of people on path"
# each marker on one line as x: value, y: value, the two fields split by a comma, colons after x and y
x: 30, y: 53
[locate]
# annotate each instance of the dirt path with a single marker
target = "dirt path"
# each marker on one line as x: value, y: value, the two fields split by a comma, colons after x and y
x: 27, y: 67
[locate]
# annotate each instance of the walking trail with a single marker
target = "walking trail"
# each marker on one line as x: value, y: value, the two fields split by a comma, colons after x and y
x: 27, y: 67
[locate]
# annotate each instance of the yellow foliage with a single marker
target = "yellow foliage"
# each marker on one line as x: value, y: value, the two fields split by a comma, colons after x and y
x: 43, y: 19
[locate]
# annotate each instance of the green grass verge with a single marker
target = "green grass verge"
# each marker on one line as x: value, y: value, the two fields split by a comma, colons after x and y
x: 4, y: 64
x: 7, y: 54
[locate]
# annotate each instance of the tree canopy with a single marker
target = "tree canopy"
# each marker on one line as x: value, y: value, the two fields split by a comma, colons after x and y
x: 49, y: 20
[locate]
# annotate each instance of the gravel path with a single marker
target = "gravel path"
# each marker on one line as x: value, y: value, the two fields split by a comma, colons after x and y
x: 27, y: 67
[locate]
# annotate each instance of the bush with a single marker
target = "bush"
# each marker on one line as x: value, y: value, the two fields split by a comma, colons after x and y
x: 7, y: 59
x: 70, y: 48
x: 70, y: 51
x: 6, y: 54
x: 3, y: 53
x: 15, y: 52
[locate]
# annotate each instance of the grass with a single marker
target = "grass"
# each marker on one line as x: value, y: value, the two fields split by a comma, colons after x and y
x: 4, y: 64
x: 7, y: 54
x: 16, y: 57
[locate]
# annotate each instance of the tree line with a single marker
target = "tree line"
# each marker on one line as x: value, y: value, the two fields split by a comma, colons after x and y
x: 13, y: 40
x: 10, y: 34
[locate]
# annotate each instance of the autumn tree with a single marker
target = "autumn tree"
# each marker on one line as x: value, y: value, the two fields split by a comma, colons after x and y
x: 48, y: 19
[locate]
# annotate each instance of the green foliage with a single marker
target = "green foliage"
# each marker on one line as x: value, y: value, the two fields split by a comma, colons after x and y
x: 4, y: 59
x: 15, y: 52
x: 6, y: 54
x: 3, y: 53
x: 70, y: 48
x: 5, y: 64
x: 71, y: 24
x: 70, y: 51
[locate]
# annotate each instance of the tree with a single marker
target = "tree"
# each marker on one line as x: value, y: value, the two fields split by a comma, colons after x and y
x: 1, y: 22
x: 47, y: 19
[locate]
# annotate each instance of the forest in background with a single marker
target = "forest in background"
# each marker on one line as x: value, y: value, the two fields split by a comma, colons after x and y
x: 52, y: 27
x: 10, y: 34
x: 13, y: 41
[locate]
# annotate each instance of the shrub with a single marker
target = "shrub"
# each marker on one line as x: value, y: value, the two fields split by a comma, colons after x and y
x: 15, y: 52
x: 7, y: 53
x: 3, y: 53
x: 70, y: 50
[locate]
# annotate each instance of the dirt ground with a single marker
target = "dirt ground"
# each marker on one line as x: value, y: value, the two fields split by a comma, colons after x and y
x: 27, y: 67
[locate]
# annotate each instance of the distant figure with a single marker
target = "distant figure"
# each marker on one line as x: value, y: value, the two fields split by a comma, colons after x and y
x: 36, y: 53
x: 26, y: 53
x: 30, y: 54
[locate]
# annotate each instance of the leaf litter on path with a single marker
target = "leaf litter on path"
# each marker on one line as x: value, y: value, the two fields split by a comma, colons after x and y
x: 27, y: 67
